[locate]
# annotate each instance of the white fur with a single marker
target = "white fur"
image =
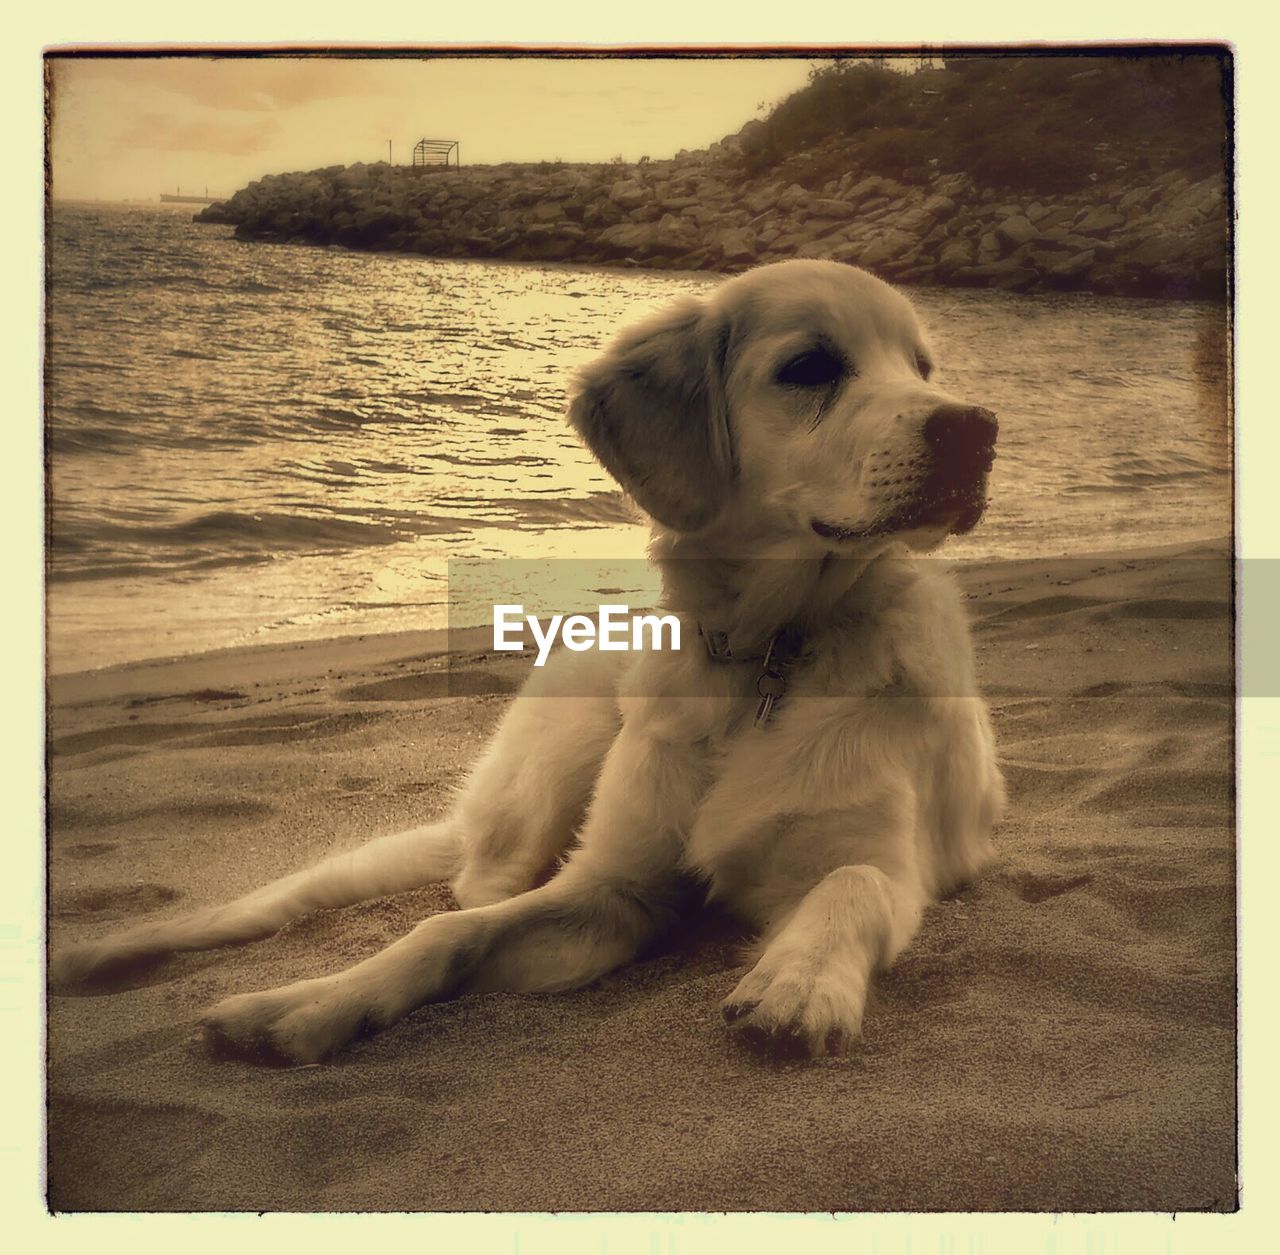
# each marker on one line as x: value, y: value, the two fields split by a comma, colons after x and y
x: 872, y: 789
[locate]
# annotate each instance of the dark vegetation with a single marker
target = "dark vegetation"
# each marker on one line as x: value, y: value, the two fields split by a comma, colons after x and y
x: 1046, y: 124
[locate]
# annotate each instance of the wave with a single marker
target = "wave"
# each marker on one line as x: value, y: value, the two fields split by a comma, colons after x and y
x: 263, y: 531
x: 222, y: 538
x: 252, y: 285
x: 597, y: 507
x: 1144, y: 470
x: 88, y: 439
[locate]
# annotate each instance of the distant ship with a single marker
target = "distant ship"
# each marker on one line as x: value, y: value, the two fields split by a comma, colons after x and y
x: 179, y: 199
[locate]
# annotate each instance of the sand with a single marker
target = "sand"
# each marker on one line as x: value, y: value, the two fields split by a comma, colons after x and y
x: 1060, y: 1036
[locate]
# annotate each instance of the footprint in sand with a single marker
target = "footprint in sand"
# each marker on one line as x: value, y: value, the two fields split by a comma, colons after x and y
x: 455, y: 682
x: 91, y: 849
x: 115, y: 899
x: 264, y: 730
x: 1040, y: 887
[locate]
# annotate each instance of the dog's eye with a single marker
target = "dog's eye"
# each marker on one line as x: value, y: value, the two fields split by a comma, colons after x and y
x: 812, y: 369
x: 924, y: 366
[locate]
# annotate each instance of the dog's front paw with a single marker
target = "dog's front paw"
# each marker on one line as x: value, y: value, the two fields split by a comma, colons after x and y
x: 792, y: 1012
x: 302, y: 1023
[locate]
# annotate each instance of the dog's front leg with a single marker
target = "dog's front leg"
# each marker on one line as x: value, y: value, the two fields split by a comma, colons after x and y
x: 615, y: 892
x: 806, y: 994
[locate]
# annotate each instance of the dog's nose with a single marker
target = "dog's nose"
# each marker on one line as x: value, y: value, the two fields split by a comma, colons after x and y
x: 961, y: 430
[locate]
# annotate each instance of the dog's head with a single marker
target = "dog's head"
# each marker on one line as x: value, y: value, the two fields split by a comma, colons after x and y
x: 797, y: 398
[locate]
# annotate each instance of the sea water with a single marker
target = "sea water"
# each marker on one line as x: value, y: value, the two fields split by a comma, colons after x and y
x: 253, y: 442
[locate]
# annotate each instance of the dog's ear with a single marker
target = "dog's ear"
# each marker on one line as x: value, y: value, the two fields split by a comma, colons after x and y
x: 653, y: 411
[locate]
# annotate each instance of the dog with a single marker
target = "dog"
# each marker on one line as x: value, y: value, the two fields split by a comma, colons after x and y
x: 820, y: 761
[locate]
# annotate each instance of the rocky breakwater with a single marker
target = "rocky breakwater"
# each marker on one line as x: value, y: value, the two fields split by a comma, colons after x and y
x: 1167, y: 236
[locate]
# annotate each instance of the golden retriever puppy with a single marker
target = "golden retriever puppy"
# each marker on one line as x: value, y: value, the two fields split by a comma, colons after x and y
x: 816, y: 756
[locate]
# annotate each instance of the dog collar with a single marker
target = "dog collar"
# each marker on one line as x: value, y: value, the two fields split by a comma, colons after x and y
x: 779, y: 654
x: 720, y: 648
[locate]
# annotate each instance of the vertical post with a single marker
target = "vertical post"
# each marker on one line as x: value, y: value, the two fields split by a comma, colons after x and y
x: 388, y: 152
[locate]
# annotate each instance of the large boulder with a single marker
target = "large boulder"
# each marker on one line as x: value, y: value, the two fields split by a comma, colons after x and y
x: 957, y: 186
x: 793, y: 198
x: 1071, y: 267
x: 939, y: 207
x: 891, y: 245
x: 1016, y: 230
x: 955, y: 254
x: 631, y: 239
x: 736, y: 247
x: 1009, y: 272
x: 826, y: 207
x: 865, y: 189
x: 629, y: 194
x: 1101, y: 220
x: 1136, y: 199
x: 547, y: 211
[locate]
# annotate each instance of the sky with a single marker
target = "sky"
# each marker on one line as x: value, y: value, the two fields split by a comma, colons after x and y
x: 132, y: 128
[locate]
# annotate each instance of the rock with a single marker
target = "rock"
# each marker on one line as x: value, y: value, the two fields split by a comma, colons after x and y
x: 1056, y: 216
x: 1012, y: 272
x: 1136, y: 198
x: 792, y: 198
x: 850, y: 253
x: 1099, y: 221
x: 787, y: 243
x: 955, y: 254
x: 917, y: 221
x: 1016, y: 230
x: 1071, y: 267
x: 628, y: 194
x: 1167, y: 236
x: 865, y: 189
x: 939, y: 207
x: 887, y: 247
x: 557, y: 231
x: 631, y: 239
x: 547, y: 211
x: 821, y: 228
x: 954, y: 185
x: 761, y: 201
x: 1063, y: 265
x: 1160, y: 250
x: 736, y: 246
x: 913, y: 274
x: 603, y: 213
x: 818, y: 250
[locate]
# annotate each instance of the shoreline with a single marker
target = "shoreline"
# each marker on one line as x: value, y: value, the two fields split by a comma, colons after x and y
x: 1214, y: 298
x: 437, y: 641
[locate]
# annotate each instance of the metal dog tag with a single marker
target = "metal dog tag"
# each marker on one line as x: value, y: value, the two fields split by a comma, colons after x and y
x: 770, y: 685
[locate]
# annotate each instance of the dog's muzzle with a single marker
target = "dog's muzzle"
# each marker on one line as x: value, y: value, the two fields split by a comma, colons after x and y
x: 960, y: 449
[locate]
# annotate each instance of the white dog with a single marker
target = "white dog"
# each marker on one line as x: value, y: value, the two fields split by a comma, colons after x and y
x: 819, y: 760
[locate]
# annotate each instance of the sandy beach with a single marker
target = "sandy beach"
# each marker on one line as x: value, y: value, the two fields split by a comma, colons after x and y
x: 1060, y: 1037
